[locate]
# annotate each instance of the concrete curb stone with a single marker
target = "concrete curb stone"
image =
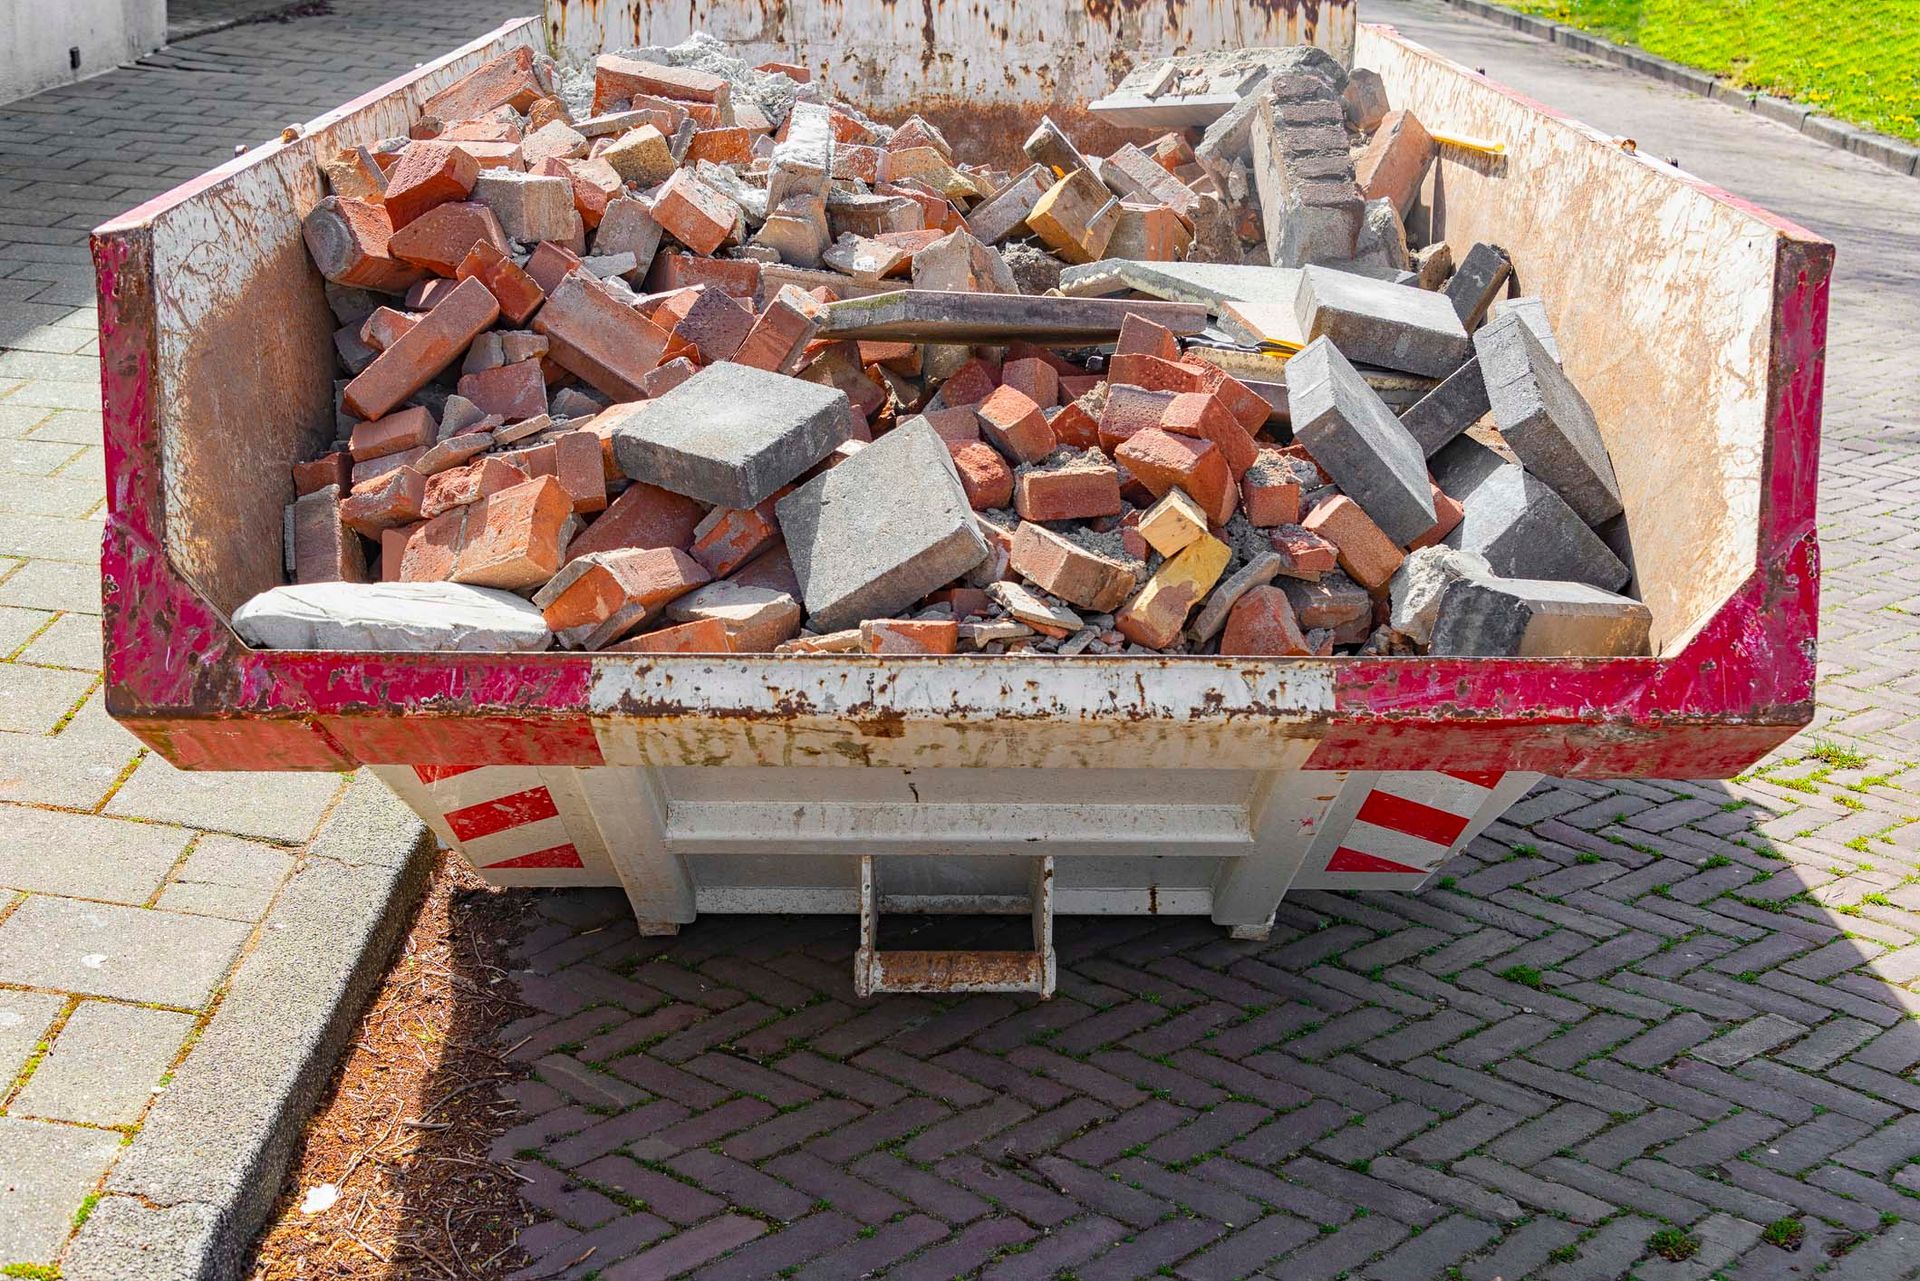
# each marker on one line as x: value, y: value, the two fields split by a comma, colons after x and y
x: 1901, y: 157
x: 199, y: 1180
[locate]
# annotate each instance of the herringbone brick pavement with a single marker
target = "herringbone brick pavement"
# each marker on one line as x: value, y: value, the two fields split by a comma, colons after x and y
x: 1633, y: 1017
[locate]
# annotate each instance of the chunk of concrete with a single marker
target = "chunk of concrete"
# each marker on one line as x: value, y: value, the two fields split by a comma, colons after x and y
x: 1531, y: 618
x: 1521, y: 526
x: 874, y: 534
x: 1457, y: 403
x: 1382, y: 243
x: 1545, y: 420
x: 1310, y: 203
x: 1352, y: 434
x: 731, y: 434
x: 1477, y: 281
x: 1376, y: 322
x: 1420, y: 582
x: 390, y: 616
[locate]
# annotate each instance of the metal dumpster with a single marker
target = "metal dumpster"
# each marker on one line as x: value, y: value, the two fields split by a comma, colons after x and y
x: 1694, y: 321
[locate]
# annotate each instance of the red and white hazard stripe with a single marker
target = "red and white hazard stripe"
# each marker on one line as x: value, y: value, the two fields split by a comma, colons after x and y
x: 510, y: 821
x: 1390, y: 830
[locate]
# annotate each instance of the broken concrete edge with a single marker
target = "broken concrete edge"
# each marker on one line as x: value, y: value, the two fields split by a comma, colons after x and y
x: 1894, y: 153
x: 199, y: 1180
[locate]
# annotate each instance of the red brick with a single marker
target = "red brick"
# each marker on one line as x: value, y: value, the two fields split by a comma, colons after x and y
x: 1129, y: 409
x: 1368, y: 556
x: 663, y: 378
x: 423, y: 351
x: 856, y: 162
x: 1248, y: 407
x: 1036, y: 378
x: 384, y: 325
x: 622, y: 579
x: 673, y: 269
x: 348, y: 240
x: 1395, y: 161
x: 395, y: 499
x: 694, y: 213
x: 955, y: 426
x: 1153, y: 373
x: 1262, y: 623
x: 717, y: 325
x: 728, y: 537
x: 1014, y: 425
x: 1141, y: 337
x: 1084, y: 490
x: 1269, y: 495
x: 442, y: 236
x: 430, y: 293
x: 1161, y: 460
x: 517, y: 293
x: 642, y: 516
x: 511, y: 539
x: 781, y: 333
x: 792, y: 71
x: 617, y: 79
x: 459, y: 486
x: 970, y: 384
x: 333, y: 468
x: 409, y: 428
x: 572, y: 458
x: 728, y: 145
x: 967, y: 602
x: 1069, y: 571
x: 909, y: 636
x: 1074, y: 427
x: 702, y: 636
x: 1204, y: 415
x: 1307, y: 555
x: 598, y: 338
x: 549, y: 265
x: 984, y: 475
x: 370, y: 472
x: 506, y: 81
x: 428, y: 174
x: 514, y: 391
x: 324, y: 549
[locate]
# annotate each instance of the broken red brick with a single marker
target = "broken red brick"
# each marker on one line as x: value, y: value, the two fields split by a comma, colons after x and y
x: 1128, y: 409
x: 1068, y: 570
x: 984, y: 475
x: 1080, y: 488
x: 333, y: 468
x: 428, y: 174
x: 514, y: 391
x: 1075, y: 428
x: 1205, y: 415
x: 506, y: 81
x: 729, y: 537
x: 442, y: 236
x: 1450, y: 514
x: 1161, y: 460
x: 642, y: 516
x: 1262, y: 623
x: 549, y: 264
x: 1036, y: 378
x: 324, y: 549
x: 409, y: 428
x: 728, y: 145
x: 617, y: 79
x: 598, y: 338
x: 1141, y: 337
x: 909, y: 636
x: 1013, y: 424
x: 1367, y: 554
x: 517, y: 293
x: 717, y: 324
x: 702, y: 636
x: 673, y: 269
x: 349, y: 241
x: 394, y: 499
x: 423, y: 351
x: 693, y: 213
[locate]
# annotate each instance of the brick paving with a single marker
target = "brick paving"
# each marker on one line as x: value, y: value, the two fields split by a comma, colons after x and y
x: 1628, y: 1007
x: 128, y: 890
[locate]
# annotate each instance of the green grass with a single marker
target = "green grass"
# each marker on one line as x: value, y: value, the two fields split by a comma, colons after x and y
x: 1785, y: 1233
x: 1855, y: 59
x: 1673, y: 1245
x: 1524, y: 975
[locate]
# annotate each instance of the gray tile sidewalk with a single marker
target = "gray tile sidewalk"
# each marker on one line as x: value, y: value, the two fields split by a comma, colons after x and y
x: 128, y: 889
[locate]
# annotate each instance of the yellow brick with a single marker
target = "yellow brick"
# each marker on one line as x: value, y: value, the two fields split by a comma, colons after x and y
x: 1173, y: 523
x: 1159, y: 610
x: 1076, y: 217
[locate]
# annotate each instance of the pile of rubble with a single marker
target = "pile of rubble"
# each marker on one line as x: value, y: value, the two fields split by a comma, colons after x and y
x: 689, y: 357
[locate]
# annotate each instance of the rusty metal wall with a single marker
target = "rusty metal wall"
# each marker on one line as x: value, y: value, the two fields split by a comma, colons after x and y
x: 889, y: 54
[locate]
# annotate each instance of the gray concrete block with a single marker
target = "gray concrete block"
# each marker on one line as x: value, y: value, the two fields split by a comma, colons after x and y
x: 731, y: 435
x: 1457, y: 403
x: 129, y: 953
x: 1376, y: 322
x: 1522, y: 527
x: 23, y: 1017
x: 1532, y: 618
x: 1353, y: 435
x: 1534, y: 312
x: 104, y: 1064
x: 1230, y: 137
x: 877, y: 532
x: 1479, y: 278
x: 1545, y: 420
